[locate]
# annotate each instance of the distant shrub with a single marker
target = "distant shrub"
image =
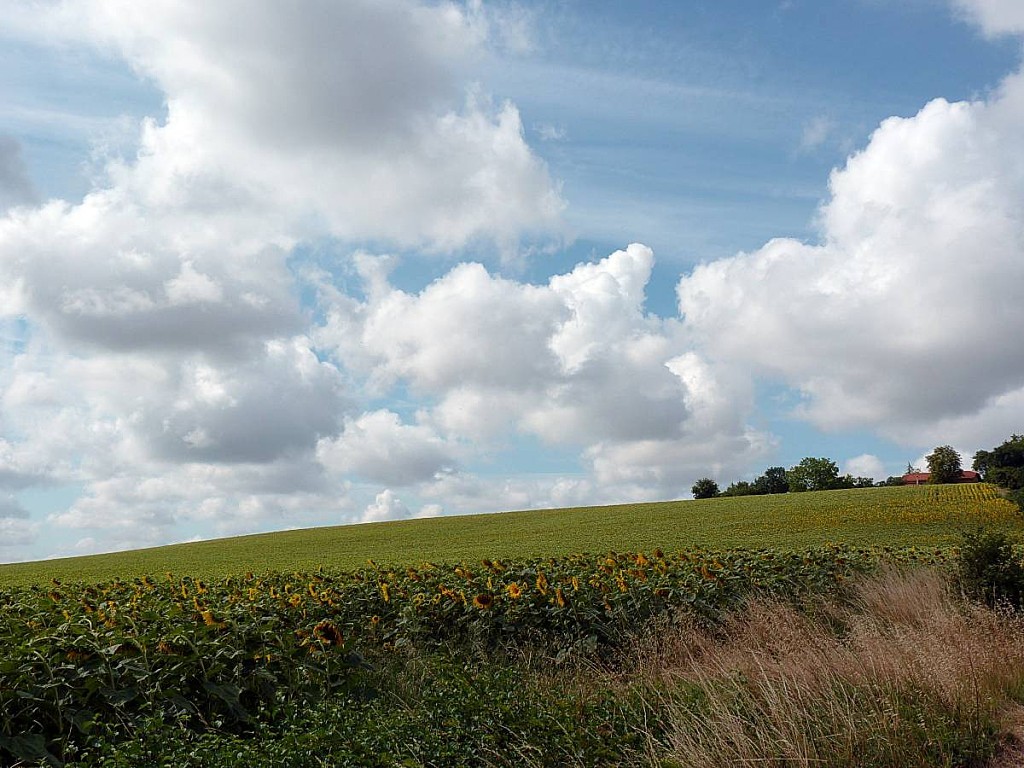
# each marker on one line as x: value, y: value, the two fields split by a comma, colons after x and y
x: 705, y: 488
x: 990, y: 570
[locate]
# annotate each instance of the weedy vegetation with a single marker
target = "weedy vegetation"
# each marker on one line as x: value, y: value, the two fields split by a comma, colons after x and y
x: 831, y: 654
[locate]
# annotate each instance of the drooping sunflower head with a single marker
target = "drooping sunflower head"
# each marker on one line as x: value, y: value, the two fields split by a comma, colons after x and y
x: 542, y: 583
x: 483, y: 601
x: 328, y: 634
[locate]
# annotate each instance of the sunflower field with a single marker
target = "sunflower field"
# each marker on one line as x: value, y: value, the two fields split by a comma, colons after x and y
x: 81, y: 661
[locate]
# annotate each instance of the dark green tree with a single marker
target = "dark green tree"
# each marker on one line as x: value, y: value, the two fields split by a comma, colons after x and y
x: 944, y: 465
x: 772, y: 481
x: 813, y: 474
x: 740, y: 488
x: 705, y: 488
x: 891, y: 480
x: 1004, y: 464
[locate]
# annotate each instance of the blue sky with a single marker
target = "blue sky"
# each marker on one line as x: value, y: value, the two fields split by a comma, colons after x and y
x: 263, y: 269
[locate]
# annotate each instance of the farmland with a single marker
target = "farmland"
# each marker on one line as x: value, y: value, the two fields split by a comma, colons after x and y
x: 910, y: 516
x: 479, y: 640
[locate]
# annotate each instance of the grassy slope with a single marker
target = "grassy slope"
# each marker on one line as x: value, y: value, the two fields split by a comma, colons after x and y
x: 924, y: 516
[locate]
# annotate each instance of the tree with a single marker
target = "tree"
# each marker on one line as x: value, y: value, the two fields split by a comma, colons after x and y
x: 944, y: 465
x: 772, y: 481
x: 813, y: 474
x: 705, y: 488
x: 740, y: 488
x: 1004, y: 464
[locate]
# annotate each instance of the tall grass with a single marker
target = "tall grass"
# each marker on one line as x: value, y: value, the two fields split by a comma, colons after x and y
x: 904, y: 673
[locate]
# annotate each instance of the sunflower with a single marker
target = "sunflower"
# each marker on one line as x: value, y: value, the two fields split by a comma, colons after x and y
x: 560, y: 598
x: 210, y: 620
x: 483, y: 601
x: 328, y: 634
x: 542, y: 583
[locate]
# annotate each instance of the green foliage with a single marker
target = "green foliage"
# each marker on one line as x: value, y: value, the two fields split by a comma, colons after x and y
x: 813, y: 474
x: 705, y: 488
x: 990, y: 568
x: 740, y: 488
x: 1017, y: 497
x: 432, y: 710
x: 891, y: 482
x: 80, y: 663
x: 944, y: 465
x: 1004, y: 464
x: 772, y: 481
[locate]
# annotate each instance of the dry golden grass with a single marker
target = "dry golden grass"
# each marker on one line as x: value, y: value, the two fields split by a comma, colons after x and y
x: 901, y: 674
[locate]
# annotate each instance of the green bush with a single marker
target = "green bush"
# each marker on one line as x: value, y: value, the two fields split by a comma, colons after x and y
x: 1017, y: 497
x: 990, y: 569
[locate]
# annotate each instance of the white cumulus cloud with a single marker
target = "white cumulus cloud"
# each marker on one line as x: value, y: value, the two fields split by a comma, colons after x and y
x: 904, y: 315
x: 577, y: 362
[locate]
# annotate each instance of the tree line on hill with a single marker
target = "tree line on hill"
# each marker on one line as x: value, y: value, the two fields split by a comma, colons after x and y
x: 1002, y: 466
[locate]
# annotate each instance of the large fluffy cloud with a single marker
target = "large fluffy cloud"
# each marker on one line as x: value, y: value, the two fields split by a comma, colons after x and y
x: 352, y: 117
x: 907, y: 312
x: 379, y: 448
x: 577, y: 362
x: 158, y: 354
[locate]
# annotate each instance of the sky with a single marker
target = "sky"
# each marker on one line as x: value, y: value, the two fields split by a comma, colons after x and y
x: 267, y: 266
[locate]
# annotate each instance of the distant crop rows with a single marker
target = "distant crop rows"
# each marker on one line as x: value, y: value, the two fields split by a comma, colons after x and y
x: 925, y: 516
x: 76, y: 658
x: 964, y: 504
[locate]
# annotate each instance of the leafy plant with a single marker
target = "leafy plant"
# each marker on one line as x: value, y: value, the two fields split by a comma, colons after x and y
x: 990, y: 569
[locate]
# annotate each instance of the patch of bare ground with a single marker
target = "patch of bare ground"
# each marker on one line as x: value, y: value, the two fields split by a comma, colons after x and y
x: 1010, y: 753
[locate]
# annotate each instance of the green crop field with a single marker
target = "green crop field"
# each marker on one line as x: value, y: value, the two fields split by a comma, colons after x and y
x: 461, y: 644
x: 910, y: 516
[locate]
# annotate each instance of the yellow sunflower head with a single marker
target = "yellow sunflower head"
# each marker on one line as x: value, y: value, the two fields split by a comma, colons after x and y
x: 483, y: 601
